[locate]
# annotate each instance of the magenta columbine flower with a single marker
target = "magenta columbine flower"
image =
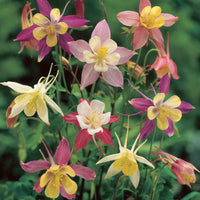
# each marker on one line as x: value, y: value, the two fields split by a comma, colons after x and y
x: 147, y: 23
x: 49, y: 28
x: 57, y: 176
x: 165, y: 112
x: 184, y: 171
x: 163, y: 63
x: 101, y: 55
x: 91, y: 118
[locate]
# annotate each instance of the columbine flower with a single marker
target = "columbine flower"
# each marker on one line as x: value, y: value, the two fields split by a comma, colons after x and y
x: 90, y: 118
x: 49, y: 28
x: 163, y: 63
x: 57, y: 173
x: 184, y: 171
x: 165, y: 112
x: 126, y: 161
x: 101, y: 55
x: 147, y: 24
x: 27, y: 21
x: 32, y: 99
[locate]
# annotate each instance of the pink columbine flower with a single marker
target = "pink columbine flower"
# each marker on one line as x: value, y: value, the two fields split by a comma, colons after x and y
x: 56, y: 178
x: 91, y: 118
x: 101, y: 55
x: 49, y: 28
x: 163, y: 63
x: 165, y: 112
x: 147, y: 24
x: 184, y: 171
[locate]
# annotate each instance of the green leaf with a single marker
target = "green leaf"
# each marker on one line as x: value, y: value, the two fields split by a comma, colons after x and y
x: 56, y: 123
x: 192, y: 196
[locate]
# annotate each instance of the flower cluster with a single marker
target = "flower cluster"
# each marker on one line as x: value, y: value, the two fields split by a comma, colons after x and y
x: 95, y: 114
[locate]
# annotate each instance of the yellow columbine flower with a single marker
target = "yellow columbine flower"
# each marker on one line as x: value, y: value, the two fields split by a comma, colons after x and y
x: 164, y: 110
x: 126, y: 161
x: 33, y: 99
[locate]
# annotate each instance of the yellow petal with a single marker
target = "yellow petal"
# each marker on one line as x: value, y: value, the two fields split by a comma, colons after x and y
x: 117, y: 165
x: 155, y: 11
x: 69, y: 185
x: 62, y: 28
x: 152, y: 112
x: 159, y: 22
x: 39, y: 33
x: 173, y: 101
x: 51, y: 39
x: 55, y: 15
x: 45, y: 178
x: 162, y: 122
x: 129, y: 167
x: 30, y: 109
x: 159, y: 98
x: 174, y: 114
x: 52, y: 190
x: 66, y: 169
x: 146, y: 11
x: 40, y: 20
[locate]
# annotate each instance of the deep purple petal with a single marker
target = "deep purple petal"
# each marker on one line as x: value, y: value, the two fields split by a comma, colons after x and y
x: 113, y: 76
x: 147, y: 129
x: 141, y: 104
x: 125, y: 54
x: 165, y: 84
x: 37, y: 187
x: 102, y: 30
x: 77, y: 47
x: 36, y: 165
x: 63, y: 153
x: 74, y: 21
x: 89, y: 75
x: 44, y: 7
x: 63, y: 41
x: 105, y: 136
x: 43, y: 49
x: 82, y: 139
x: 83, y: 172
x: 71, y: 118
x: 170, y: 130
x: 66, y: 195
x: 185, y: 107
x: 26, y: 34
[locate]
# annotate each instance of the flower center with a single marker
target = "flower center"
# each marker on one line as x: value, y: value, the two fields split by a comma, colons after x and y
x: 51, y: 28
x: 150, y: 17
x: 188, y: 178
x: 126, y: 163
x: 102, y: 53
x: 94, y: 119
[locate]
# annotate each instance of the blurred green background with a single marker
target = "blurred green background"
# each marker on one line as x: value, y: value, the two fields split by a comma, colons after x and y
x: 23, y: 68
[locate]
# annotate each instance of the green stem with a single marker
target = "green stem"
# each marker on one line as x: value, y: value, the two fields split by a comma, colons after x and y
x: 146, y: 56
x: 104, y: 10
x: 116, y: 185
x: 92, y: 90
x: 161, y: 140
x: 152, y: 140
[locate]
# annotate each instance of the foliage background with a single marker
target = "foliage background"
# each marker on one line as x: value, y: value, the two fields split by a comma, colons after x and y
x: 23, y: 68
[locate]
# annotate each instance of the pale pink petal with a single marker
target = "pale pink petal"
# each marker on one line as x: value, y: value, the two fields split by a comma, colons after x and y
x: 34, y: 166
x: 113, y: 76
x: 78, y: 47
x: 135, y: 178
x: 83, y: 172
x: 125, y: 54
x: 156, y: 34
x: 159, y: 62
x: 173, y: 69
x: 140, y: 37
x: 129, y: 18
x: 169, y: 19
x: 37, y: 187
x: 89, y: 75
x: 62, y: 154
x: 102, y: 30
x: 143, y: 4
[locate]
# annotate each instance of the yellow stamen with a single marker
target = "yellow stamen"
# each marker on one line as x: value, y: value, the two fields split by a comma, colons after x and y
x: 188, y: 178
x: 102, y: 53
x: 95, y: 119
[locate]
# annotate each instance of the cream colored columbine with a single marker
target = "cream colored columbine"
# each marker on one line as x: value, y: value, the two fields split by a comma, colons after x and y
x: 126, y: 161
x: 91, y: 116
x: 33, y: 99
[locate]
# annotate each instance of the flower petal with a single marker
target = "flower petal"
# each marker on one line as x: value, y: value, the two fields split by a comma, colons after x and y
x: 143, y: 160
x: 95, y: 43
x: 63, y: 41
x: 37, y: 187
x: 113, y: 59
x: 170, y: 130
x: 106, y: 118
x: 84, y: 109
x: 159, y: 98
x: 65, y: 194
x: 169, y: 19
x: 147, y: 129
x: 113, y: 119
x: 43, y: 49
x: 185, y: 107
x: 51, y: 39
x: 62, y: 154
x: 140, y: 37
x: 174, y: 114
x: 173, y: 69
x: 71, y: 118
x: 40, y: 20
x: 39, y: 33
x: 111, y: 44
x: 173, y: 102
x: 69, y: 185
x: 152, y: 112
x: 55, y: 15
x: 129, y: 18
x: 102, y: 30
x: 97, y: 105
x: 44, y: 7
x: 83, y: 172
x: 82, y: 120
x: 162, y: 121
x: 156, y: 34
x: 62, y: 28
x: 165, y: 84
x: 89, y: 57
x: 52, y: 190
x: 109, y: 158
x: 135, y: 178
x: 26, y: 34
x: 105, y: 136
x: 82, y: 139
x: 155, y: 11
x: 143, y: 4
x: 113, y: 76
x: 34, y: 166
x: 88, y: 76
x: 111, y: 172
x: 74, y: 21
x: 141, y: 104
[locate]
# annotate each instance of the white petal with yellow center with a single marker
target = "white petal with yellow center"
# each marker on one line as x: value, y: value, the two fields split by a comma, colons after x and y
x: 95, y: 43
x: 55, y: 15
x: 111, y: 44
x: 113, y: 59
x: 40, y: 20
x: 83, y: 121
x: 101, y: 66
x: 98, y: 106
x: 89, y: 57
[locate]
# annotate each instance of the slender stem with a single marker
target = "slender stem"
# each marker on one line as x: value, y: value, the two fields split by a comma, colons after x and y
x: 104, y: 10
x: 146, y: 56
x: 116, y: 185
x: 152, y: 140
x: 92, y: 90
x: 161, y: 140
